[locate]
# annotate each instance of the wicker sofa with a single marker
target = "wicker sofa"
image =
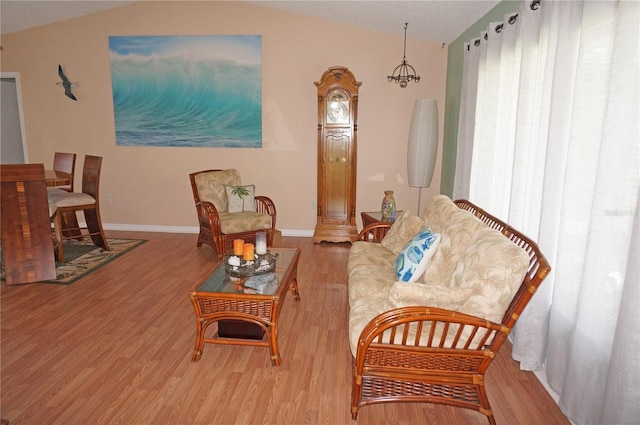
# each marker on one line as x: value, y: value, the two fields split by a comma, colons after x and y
x: 432, y: 339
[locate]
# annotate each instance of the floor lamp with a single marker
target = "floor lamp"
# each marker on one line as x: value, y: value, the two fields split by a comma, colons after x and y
x: 423, y: 144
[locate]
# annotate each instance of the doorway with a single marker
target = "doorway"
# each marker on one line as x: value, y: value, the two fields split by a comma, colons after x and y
x: 13, y: 142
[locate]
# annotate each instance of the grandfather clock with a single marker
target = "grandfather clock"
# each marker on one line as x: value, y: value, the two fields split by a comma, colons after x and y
x: 337, y: 156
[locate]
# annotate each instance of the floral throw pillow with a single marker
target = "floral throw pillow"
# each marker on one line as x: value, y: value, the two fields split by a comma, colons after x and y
x: 405, y: 227
x: 414, y: 258
x: 241, y: 198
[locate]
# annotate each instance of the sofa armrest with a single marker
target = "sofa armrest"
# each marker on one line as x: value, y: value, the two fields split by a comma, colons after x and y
x: 374, y: 232
x: 421, y: 344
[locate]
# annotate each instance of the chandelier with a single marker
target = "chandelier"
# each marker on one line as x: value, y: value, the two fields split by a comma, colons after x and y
x: 404, y: 72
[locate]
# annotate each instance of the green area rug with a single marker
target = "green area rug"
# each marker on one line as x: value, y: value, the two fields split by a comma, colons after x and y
x: 82, y: 257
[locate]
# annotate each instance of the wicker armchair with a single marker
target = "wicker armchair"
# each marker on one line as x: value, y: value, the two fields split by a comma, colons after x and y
x: 426, y: 354
x: 218, y: 226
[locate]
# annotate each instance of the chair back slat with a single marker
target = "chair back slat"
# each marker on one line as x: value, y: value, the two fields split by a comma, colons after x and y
x: 65, y: 162
x: 91, y: 175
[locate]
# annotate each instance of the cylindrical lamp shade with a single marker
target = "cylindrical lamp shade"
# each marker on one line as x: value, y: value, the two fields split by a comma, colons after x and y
x: 423, y: 143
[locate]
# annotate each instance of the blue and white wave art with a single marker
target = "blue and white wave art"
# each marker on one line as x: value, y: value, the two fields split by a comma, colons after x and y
x: 187, y: 90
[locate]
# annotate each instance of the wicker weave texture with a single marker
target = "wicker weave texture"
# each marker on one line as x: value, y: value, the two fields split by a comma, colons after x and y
x: 375, y: 388
x: 256, y: 308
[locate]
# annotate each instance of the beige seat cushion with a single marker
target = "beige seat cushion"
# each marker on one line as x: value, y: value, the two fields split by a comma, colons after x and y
x: 62, y: 198
x: 211, y: 187
x: 244, y: 222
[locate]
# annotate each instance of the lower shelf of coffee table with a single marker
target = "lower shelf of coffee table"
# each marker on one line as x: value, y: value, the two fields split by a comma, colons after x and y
x: 239, y: 329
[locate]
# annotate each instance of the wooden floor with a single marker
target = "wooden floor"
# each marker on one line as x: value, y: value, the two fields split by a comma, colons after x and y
x: 115, y: 348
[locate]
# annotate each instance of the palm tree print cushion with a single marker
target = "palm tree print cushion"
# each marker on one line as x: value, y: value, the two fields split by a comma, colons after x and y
x: 241, y: 198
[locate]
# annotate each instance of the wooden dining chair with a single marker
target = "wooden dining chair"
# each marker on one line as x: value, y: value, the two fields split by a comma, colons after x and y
x: 27, y: 246
x: 65, y: 162
x: 86, y: 201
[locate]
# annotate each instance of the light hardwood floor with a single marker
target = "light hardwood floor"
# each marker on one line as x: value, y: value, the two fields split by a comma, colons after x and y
x: 115, y: 348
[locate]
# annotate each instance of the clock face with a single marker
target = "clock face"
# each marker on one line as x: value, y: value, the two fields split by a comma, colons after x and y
x: 338, y: 108
x: 337, y: 112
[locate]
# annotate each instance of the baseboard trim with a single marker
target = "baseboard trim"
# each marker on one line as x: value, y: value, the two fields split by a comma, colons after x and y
x: 187, y: 229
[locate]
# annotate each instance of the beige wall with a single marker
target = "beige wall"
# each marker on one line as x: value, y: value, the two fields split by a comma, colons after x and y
x: 149, y: 185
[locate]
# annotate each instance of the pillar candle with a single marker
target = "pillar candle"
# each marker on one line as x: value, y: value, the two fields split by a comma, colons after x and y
x: 248, y: 252
x: 261, y: 243
x: 238, y: 247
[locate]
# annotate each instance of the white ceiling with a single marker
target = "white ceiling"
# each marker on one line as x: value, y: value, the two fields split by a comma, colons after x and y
x: 438, y: 21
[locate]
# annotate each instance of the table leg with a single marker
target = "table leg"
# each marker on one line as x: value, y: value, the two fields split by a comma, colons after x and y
x: 197, y: 351
x: 294, y: 288
x: 273, y: 345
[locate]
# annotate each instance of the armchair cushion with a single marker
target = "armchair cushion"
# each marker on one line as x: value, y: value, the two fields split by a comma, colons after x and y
x: 241, y: 198
x: 211, y: 187
x: 244, y: 222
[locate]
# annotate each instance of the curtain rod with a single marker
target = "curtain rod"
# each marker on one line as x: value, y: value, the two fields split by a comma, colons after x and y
x: 534, y: 5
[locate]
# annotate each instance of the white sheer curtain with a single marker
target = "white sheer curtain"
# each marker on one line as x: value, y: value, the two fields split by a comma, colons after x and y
x: 549, y: 141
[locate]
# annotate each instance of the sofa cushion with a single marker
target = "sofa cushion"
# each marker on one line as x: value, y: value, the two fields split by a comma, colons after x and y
x: 370, y: 254
x: 404, y: 294
x: 437, y: 213
x: 211, y: 186
x: 359, y: 315
x: 402, y: 230
x: 371, y: 273
x: 241, y: 198
x: 412, y: 261
x: 493, y: 267
x: 457, y: 233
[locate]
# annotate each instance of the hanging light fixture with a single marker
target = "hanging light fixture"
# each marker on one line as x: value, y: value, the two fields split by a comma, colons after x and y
x: 404, y: 72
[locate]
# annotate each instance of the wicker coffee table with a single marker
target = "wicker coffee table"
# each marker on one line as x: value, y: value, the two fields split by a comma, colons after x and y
x: 221, y: 299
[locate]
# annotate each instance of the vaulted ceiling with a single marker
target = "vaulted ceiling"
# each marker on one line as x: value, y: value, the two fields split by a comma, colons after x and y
x: 436, y: 21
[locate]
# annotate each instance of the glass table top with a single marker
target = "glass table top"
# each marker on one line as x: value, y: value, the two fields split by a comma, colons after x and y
x: 267, y: 284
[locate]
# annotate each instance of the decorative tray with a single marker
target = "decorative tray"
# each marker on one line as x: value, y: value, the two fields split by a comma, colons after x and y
x: 237, y: 267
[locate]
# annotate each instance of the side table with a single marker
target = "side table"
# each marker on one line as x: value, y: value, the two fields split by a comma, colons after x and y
x: 370, y: 217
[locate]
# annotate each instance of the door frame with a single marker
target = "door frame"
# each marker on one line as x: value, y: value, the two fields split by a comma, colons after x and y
x: 23, y: 134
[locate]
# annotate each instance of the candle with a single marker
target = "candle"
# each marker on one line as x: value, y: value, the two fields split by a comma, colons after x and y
x: 238, y: 245
x: 247, y: 254
x: 261, y: 243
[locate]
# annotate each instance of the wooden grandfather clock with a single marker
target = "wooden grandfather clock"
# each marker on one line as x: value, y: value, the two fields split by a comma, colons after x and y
x: 337, y: 156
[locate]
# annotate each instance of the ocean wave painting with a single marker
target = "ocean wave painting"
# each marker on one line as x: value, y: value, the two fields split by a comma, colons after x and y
x: 203, y: 91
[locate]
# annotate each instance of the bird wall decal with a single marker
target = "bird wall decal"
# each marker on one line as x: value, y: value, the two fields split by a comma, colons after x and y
x: 66, y: 84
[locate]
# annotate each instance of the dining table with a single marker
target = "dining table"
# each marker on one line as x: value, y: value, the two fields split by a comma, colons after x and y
x: 25, y: 224
x: 55, y: 178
